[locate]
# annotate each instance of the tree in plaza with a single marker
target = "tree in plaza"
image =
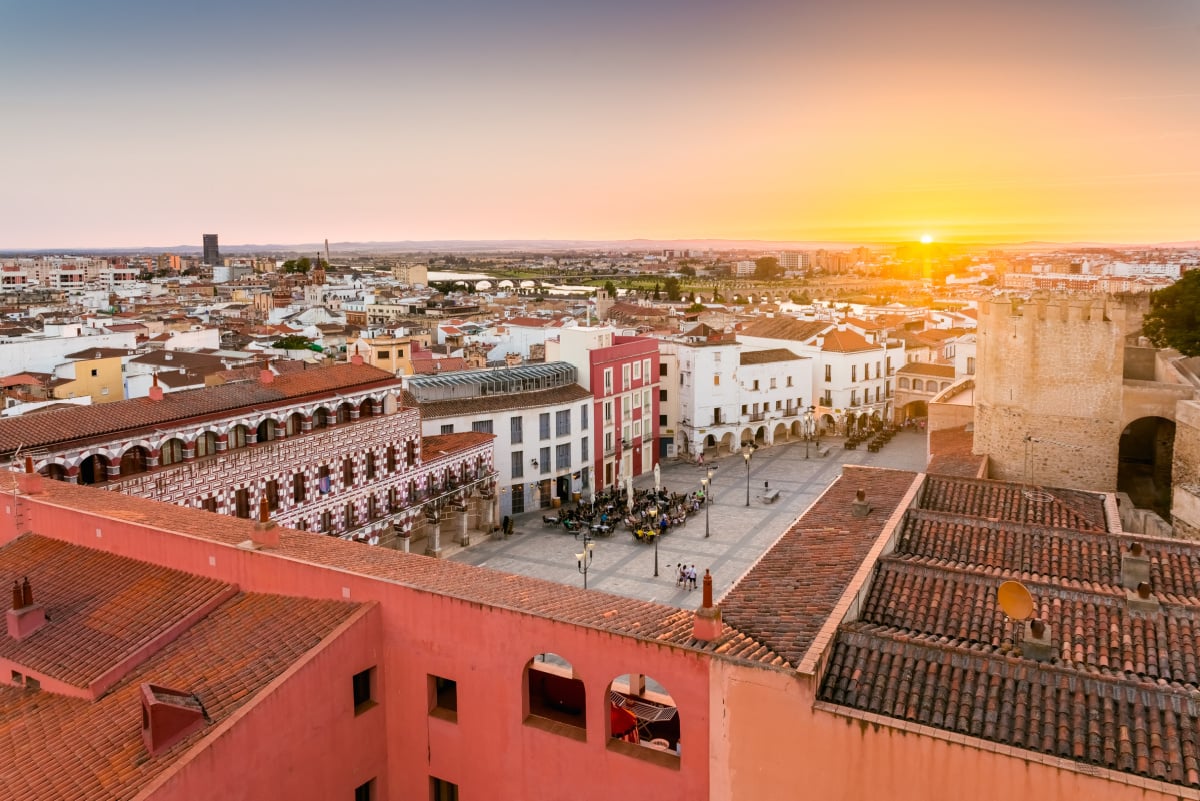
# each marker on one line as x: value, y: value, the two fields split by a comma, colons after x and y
x: 657, y: 296
x: 688, y: 270
x: 610, y: 288
x: 1174, y: 317
x: 297, y: 265
x: 671, y: 287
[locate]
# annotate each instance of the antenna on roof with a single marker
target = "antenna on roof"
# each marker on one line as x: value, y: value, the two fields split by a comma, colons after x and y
x: 1016, y: 602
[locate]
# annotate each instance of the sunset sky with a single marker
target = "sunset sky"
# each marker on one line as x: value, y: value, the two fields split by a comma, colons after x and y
x: 131, y: 123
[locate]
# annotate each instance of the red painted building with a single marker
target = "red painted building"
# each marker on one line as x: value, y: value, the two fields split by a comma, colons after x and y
x: 622, y: 373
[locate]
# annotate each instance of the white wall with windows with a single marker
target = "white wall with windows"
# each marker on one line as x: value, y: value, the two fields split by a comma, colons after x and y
x: 542, y: 453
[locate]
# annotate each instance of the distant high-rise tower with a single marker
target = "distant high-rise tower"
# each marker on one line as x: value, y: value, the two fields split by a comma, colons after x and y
x: 212, y: 254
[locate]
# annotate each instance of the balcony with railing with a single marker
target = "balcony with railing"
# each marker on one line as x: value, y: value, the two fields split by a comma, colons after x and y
x: 756, y: 417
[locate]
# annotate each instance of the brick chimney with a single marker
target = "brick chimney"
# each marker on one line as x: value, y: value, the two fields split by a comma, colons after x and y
x: 169, y: 716
x: 30, y: 482
x: 707, y: 623
x: 266, y: 530
x: 156, y: 393
x: 859, y: 506
x: 266, y: 376
x: 356, y: 358
x: 25, y: 617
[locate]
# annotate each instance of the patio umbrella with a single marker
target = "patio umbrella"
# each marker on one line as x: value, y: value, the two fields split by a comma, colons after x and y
x: 657, y: 479
x: 629, y: 492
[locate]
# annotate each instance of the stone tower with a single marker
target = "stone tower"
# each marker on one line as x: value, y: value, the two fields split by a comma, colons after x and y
x: 1048, y: 390
x: 603, y: 303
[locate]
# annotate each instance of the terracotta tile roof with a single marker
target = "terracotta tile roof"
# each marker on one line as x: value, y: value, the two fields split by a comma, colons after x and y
x: 441, y: 444
x: 924, y: 368
x: 59, y: 747
x: 950, y: 453
x: 620, y: 309
x: 20, y: 380
x: 785, y: 328
x: 644, y: 620
x: 1006, y: 502
x: 846, y: 342
x: 768, y: 356
x: 431, y: 410
x: 784, y: 600
x: 931, y: 645
x: 197, y: 362
x: 101, y: 607
x: 938, y: 335
x: 100, y: 353
x: 172, y: 378
x: 81, y: 422
x: 424, y: 363
x: 530, y: 322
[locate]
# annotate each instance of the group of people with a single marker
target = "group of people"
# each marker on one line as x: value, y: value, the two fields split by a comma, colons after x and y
x: 656, y: 512
x: 687, y: 576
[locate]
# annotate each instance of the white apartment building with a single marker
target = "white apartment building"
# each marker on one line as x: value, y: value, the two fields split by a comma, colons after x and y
x: 541, y: 418
x: 41, y: 353
x: 851, y: 373
x: 668, y: 396
x: 729, y: 394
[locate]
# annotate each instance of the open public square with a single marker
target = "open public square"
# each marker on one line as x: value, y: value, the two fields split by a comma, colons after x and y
x: 737, y: 534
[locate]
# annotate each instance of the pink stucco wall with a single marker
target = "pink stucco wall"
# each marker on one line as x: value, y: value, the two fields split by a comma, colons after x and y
x: 299, y: 740
x: 780, y: 747
x: 490, y: 752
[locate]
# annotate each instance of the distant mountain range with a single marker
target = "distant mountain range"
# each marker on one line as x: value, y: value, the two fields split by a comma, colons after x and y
x: 559, y: 245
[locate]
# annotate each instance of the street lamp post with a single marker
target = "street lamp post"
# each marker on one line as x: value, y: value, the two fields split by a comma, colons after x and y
x: 584, y: 558
x: 657, y: 533
x: 808, y: 428
x: 747, y: 449
x: 706, y: 483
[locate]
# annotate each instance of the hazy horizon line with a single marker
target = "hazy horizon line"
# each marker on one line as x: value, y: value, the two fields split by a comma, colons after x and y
x: 630, y: 243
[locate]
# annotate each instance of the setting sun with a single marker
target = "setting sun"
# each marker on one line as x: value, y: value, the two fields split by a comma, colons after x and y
x: 926, y: 239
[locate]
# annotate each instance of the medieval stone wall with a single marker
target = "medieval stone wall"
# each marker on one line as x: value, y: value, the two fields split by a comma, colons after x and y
x: 1185, y: 502
x: 1048, y: 390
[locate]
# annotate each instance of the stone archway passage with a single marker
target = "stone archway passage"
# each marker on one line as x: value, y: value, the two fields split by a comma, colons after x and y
x: 1145, y: 453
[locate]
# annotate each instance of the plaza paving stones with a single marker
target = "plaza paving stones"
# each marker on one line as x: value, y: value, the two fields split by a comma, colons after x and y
x: 738, y: 535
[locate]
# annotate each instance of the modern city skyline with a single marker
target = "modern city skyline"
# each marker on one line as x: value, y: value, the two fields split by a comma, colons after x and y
x: 769, y: 120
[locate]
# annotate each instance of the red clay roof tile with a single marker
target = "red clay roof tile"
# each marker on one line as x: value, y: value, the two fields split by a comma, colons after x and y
x: 783, y: 600
x: 81, y: 422
x: 931, y: 646
x: 59, y: 747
